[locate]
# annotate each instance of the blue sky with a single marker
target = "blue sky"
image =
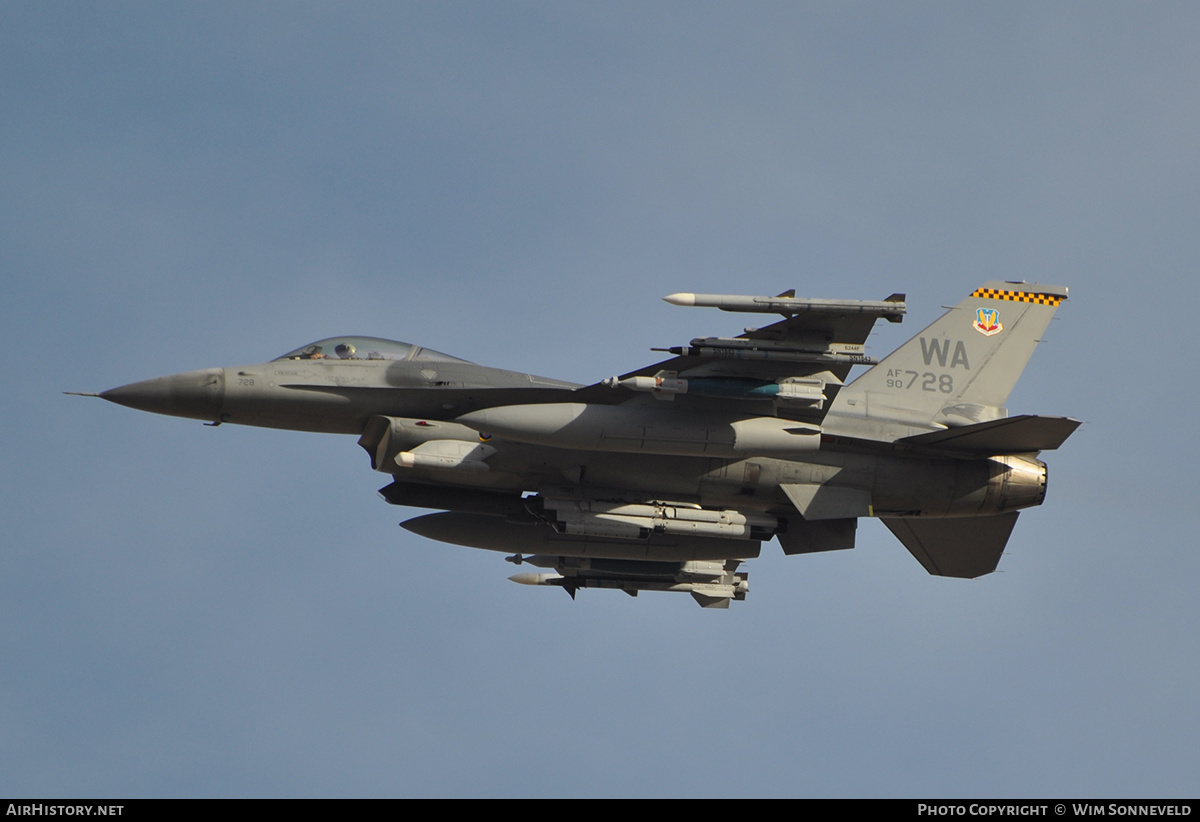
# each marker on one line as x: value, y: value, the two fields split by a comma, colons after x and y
x: 189, y: 611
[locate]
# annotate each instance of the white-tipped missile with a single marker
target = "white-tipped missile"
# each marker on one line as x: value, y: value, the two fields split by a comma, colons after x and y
x: 663, y: 385
x: 708, y: 594
x: 535, y: 579
x: 891, y: 309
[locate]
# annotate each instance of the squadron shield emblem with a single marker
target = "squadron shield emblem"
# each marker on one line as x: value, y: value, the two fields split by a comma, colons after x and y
x: 987, y: 321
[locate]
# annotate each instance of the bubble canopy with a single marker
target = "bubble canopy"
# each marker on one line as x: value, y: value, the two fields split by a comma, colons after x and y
x: 364, y: 348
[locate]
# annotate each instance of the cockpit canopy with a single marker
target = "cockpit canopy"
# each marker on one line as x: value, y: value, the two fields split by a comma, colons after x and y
x: 365, y: 348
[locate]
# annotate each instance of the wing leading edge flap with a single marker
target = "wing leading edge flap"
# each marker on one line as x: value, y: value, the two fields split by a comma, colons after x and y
x: 1010, y: 435
x: 965, y: 547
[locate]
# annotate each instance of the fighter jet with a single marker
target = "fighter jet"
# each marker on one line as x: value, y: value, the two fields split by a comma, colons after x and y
x: 669, y: 477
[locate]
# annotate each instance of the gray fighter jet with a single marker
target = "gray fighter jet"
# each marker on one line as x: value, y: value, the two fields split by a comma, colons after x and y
x: 667, y: 478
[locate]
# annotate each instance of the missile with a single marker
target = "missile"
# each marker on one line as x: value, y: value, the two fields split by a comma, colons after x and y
x: 769, y: 354
x: 892, y: 309
x: 663, y: 383
x: 809, y: 391
x: 535, y: 579
x: 804, y: 345
x: 713, y: 589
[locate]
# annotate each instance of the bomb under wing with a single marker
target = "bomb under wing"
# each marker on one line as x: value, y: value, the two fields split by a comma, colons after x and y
x: 670, y: 477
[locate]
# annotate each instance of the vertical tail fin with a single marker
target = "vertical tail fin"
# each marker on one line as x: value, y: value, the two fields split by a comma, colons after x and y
x: 958, y: 371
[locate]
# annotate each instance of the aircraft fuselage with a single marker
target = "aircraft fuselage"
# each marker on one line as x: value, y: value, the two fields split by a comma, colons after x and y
x: 667, y: 477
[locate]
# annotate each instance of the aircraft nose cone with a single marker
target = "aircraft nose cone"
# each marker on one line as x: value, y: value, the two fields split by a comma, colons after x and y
x: 194, y: 394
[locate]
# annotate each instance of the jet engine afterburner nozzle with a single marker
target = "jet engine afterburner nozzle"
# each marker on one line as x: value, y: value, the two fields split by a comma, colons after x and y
x: 1016, y: 483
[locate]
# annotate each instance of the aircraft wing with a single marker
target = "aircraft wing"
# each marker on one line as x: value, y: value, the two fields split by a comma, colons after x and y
x: 799, y: 363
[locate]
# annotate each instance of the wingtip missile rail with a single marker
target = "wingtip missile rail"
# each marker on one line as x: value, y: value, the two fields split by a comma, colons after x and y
x: 892, y: 309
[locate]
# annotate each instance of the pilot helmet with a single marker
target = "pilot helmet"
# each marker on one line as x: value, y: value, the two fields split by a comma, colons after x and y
x: 344, y: 350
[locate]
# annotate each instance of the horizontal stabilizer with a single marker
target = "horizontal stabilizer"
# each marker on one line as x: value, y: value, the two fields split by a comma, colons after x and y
x: 1011, y: 435
x: 966, y: 547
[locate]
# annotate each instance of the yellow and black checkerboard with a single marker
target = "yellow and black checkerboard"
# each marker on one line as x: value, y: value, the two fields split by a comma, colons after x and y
x: 1017, y: 296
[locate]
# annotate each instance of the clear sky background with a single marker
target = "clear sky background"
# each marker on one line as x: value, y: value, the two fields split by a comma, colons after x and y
x: 192, y: 611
